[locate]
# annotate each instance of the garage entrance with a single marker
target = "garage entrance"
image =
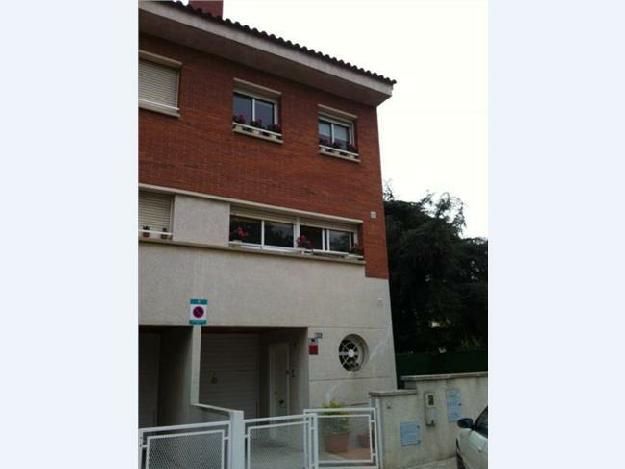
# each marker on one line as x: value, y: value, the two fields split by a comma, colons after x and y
x: 261, y: 371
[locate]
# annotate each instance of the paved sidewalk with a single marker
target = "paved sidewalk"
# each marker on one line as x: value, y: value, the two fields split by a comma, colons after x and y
x: 447, y: 464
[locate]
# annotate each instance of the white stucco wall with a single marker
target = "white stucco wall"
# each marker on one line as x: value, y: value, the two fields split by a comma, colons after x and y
x: 200, y: 220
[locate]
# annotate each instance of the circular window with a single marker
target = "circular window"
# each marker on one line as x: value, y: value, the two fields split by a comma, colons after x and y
x: 352, y: 352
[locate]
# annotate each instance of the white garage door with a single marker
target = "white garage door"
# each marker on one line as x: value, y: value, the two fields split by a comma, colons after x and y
x: 229, y: 375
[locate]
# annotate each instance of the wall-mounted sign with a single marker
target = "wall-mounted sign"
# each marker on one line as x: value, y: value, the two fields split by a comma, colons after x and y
x: 454, y: 405
x: 197, y: 311
x: 313, y: 346
x: 410, y: 433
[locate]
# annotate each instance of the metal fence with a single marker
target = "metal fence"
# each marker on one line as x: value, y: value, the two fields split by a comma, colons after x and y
x: 192, y: 446
x: 281, y: 442
x: 343, y: 437
x: 346, y: 437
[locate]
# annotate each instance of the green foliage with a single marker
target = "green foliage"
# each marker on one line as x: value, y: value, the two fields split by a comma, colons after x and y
x: 336, y: 424
x: 438, y: 279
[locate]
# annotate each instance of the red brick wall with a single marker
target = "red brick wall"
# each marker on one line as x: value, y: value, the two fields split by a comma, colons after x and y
x: 199, y: 152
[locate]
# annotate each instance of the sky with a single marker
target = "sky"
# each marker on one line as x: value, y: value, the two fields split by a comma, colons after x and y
x: 434, y: 130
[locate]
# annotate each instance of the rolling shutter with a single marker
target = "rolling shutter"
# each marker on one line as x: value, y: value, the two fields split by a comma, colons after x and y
x: 229, y: 371
x: 155, y: 211
x: 158, y: 84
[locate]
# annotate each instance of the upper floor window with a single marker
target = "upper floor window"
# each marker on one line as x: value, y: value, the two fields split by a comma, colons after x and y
x: 336, y: 135
x: 255, y: 111
x: 158, y: 83
x: 155, y: 214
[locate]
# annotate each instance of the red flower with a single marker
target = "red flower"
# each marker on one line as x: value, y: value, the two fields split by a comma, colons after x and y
x: 303, y: 242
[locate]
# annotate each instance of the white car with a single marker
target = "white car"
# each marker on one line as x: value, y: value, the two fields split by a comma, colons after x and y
x: 472, y: 443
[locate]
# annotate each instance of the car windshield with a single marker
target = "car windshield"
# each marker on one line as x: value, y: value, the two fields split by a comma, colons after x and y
x: 481, y: 425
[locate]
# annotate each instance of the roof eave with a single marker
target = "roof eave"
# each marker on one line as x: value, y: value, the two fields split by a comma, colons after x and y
x: 184, y: 26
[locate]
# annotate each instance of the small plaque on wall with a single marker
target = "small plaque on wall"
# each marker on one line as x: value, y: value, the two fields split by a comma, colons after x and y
x: 454, y: 405
x: 410, y: 433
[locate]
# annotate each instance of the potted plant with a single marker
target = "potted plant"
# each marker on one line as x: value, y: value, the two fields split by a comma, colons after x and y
x: 165, y: 234
x: 304, y: 244
x: 240, y: 119
x: 146, y: 231
x: 335, y: 429
x: 275, y: 128
x: 364, y: 439
x: 324, y: 141
x: 356, y: 251
x: 238, y: 235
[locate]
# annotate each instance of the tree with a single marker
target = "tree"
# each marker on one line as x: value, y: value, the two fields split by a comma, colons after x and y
x: 438, y: 279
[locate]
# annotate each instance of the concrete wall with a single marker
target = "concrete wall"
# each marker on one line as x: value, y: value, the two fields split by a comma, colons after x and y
x: 437, y: 442
x: 201, y: 220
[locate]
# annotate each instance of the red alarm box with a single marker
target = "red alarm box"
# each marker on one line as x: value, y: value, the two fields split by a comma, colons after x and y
x: 313, y: 347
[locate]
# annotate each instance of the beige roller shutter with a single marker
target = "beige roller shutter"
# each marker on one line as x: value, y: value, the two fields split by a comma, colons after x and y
x: 158, y: 84
x: 155, y: 211
x: 229, y: 371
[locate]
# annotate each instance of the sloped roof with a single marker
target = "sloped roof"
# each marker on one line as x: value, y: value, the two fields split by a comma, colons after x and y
x: 280, y: 41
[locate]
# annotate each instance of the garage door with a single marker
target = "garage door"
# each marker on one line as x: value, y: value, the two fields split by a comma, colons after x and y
x: 229, y: 373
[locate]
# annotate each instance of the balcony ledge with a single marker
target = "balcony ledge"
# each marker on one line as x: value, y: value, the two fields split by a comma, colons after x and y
x: 235, y: 247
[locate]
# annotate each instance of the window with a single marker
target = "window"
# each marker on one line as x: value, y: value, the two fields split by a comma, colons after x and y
x: 481, y: 424
x: 311, y: 237
x: 340, y: 241
x: 155, y: 213
x: 261, y: 232
x: 245, y: 230
x: 158, y: 83
x: 326, y: 239
x: 337, y: 134
x: 279, y: 232
x: 258, y: 112
x: 352, y: 352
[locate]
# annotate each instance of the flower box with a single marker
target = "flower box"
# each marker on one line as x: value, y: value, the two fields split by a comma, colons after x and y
x: 339, y: 152
x: 256, y: 131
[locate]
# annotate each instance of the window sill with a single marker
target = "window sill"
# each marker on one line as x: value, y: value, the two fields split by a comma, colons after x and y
x: 148, y: 234
x: 297, y: 251
x: 339, y: 153
x: 160, y: 108
x: 252, y: 131
x: 240, y: 248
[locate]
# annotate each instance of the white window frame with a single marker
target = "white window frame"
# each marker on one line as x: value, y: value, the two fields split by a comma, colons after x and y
x: 254, y: 97
x: 297, y: 222
x: 334, y: 121
x: 164, y: 62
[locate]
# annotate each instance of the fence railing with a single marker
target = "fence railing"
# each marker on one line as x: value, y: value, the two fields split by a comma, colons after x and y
x: 281, y: 442
x: 204, y: 445
x: 333, y: 438
x: 346, y: 436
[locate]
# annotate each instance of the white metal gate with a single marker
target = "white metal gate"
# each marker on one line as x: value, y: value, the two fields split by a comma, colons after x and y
x: 193, y: 446
x: 281, y: 442
x: 346, y: 437
x: 332, y: 438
